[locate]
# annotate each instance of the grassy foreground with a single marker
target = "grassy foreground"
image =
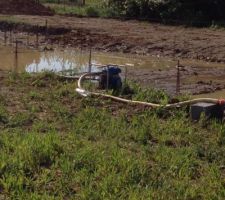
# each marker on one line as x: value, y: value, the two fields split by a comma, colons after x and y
x: 56, y: 145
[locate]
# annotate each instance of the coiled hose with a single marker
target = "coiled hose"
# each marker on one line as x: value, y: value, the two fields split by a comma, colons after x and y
x: 83, y: 92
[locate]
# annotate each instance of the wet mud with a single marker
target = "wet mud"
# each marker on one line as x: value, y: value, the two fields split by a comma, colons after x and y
x: 29, y: 7
x: 141, y: 39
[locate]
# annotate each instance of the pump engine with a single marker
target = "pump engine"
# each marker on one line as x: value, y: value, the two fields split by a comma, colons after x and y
x: 110, y: 78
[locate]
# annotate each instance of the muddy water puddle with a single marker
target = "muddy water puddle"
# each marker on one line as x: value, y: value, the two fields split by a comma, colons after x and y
x: 197, y: 77
x: 31, y: 60
x: 59, y: 59
x: 56, y: 60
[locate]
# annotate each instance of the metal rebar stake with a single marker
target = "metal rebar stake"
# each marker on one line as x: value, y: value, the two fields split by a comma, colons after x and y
x: 178, y: 78
x: 107, y: 86
x: 125, y: 80
x: 90, y: 58
x: 5, y: 37
x: 16, y: 56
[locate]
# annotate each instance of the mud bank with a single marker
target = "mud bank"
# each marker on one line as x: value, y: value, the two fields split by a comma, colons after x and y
x: 29, y: 28
x: 193, y: 80
x: 29, y: 7
x: 161, y: 73
x: 141, y: 38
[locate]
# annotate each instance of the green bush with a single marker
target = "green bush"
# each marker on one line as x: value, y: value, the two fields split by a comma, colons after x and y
x: 187, y: 11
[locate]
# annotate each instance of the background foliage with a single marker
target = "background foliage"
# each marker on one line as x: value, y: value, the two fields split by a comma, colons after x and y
x: 197, y: 12
x: 191, y: 10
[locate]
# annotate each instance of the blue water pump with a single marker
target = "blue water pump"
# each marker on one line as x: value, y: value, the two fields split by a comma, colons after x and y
x: 110, y: 78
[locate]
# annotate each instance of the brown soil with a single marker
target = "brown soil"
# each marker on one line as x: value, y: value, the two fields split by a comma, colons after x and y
x: 28, y: 7
x: 138, y: 37
x: 193, y: 80
x: 146, y: 39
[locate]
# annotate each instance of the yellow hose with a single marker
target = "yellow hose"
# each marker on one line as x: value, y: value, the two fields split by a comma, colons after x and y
x: 83, y: 92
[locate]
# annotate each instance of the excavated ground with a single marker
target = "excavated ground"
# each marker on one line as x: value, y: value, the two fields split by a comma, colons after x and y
x: 29, y: 7
x: 140, y: 38
x: 136, y: 37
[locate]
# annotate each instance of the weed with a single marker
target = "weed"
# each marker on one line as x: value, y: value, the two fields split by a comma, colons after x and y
x: 3, y: 114
x: 21, y: 119
x: 75, y: 148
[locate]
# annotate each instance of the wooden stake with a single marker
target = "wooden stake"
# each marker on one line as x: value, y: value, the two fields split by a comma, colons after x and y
x: 37, y: 39
x: 46, y: 24
x: 178, y: 78
x: 28, y: 39
x: 16, y: 56
x: 174, y: 45
x: 90, y: 58
x: 5, y: 37
x: 125, y: 80
x: 64, y: 41
x: 10, y: 36
x: 107, y: 86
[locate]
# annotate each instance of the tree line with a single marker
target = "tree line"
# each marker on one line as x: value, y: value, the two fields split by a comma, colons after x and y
x: 186, y: 10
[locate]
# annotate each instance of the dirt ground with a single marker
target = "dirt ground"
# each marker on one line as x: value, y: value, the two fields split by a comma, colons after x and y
x: 137, y: 37
x: 142, y: 38
x: 30, y: 7
x: 193, y: 80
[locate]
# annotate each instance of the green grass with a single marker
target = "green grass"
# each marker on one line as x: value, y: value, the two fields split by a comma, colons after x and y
x: 55, y: 144
x: 95, y: 8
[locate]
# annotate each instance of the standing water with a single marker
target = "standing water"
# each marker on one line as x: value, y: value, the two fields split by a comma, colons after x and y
x: 76, y: 60
x: 153, y: 69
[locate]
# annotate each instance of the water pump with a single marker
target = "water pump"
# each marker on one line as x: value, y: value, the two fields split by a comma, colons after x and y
x: 110, y: 78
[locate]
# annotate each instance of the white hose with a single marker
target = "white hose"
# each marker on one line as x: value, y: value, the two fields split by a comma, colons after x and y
x: 83, y: 92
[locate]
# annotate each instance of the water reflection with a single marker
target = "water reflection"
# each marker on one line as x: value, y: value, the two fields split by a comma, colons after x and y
x: 58, y: 60
x: 72, y: 60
